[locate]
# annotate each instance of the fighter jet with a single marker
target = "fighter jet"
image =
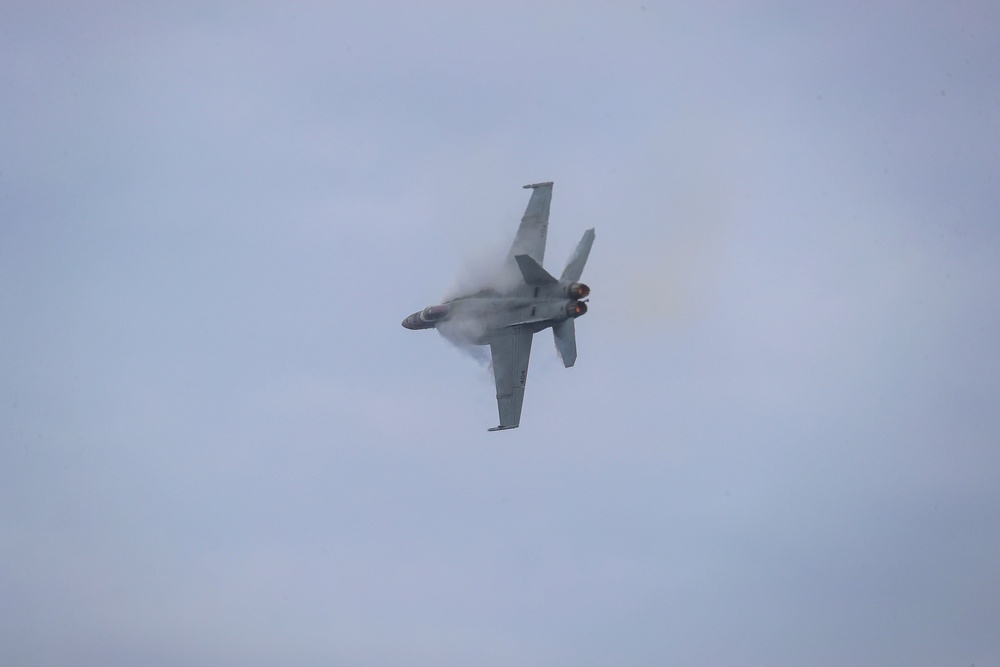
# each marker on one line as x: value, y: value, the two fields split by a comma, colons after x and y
x: 524, y: 300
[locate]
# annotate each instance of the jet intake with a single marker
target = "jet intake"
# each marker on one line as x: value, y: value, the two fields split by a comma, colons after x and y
x: 577, y: 291
x: 576, y: 308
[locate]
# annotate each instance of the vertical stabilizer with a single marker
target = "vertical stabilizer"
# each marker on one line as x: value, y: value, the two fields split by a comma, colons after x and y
x: 574, y: 268
x: 565, y: 335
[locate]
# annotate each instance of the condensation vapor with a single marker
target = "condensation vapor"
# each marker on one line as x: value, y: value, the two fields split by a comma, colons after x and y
x: 462, y: 332
x: 482, y: 269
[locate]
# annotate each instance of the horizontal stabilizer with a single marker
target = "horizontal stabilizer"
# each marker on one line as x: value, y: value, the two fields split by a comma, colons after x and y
x: 532, y: 271
x: 574, y: 268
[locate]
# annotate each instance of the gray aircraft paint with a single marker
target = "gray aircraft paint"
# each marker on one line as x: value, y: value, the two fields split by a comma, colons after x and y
x: 525, y: 300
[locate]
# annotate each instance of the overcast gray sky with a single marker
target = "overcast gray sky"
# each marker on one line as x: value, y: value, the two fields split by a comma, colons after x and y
x: 780, y: 443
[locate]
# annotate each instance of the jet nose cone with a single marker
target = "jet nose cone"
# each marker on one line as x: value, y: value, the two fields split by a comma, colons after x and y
x: 410, y: 322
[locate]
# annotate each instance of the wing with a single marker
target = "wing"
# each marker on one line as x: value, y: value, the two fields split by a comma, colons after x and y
x: 530, y: 238
x: 510, y: 348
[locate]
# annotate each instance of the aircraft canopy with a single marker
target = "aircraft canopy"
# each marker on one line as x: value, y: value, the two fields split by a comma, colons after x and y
x: 434, y: 313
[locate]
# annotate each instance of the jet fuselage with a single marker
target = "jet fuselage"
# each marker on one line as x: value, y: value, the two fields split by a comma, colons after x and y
x: 476, y: 318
